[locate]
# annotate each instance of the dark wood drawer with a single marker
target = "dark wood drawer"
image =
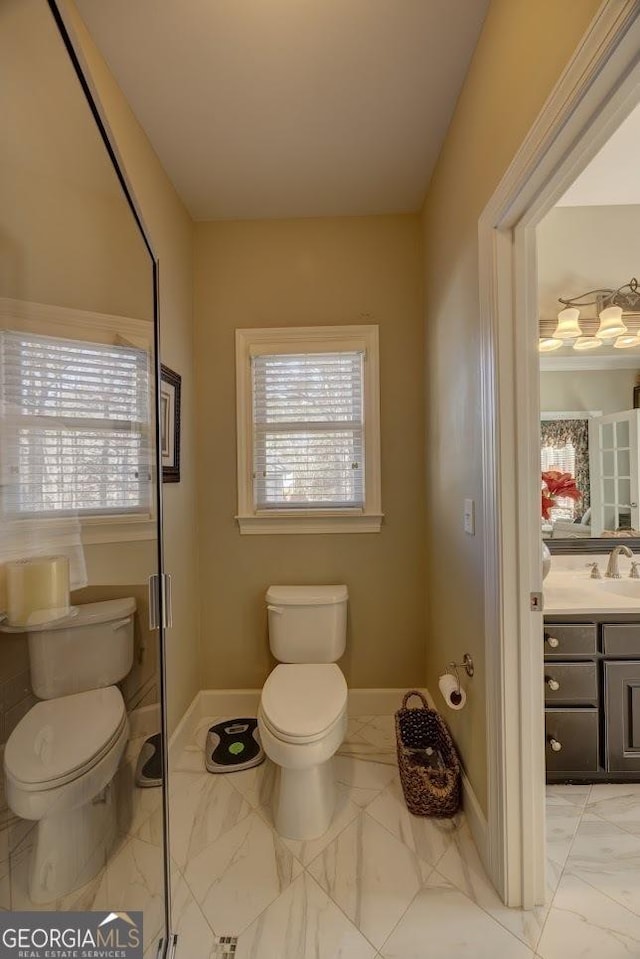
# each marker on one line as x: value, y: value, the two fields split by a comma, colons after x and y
x: 622, y: 640
x: 576, y: 732
x: 561, y: 641
x: 577, y: 684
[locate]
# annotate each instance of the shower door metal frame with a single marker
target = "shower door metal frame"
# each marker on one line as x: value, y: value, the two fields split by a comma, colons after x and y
x: 162, y: 612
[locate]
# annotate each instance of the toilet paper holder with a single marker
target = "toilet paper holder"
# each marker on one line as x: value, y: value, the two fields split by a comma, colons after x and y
x: 466, y: 664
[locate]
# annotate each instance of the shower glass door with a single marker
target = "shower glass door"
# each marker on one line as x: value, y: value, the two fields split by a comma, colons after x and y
x: 81, y: 666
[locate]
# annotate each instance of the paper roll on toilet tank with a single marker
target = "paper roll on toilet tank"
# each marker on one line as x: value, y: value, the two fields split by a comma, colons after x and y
x: 454, y: 698
x: 37, y: 590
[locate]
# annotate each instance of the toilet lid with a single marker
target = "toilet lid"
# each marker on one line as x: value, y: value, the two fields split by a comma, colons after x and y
x: 302, y: 700
x: 59, y: 738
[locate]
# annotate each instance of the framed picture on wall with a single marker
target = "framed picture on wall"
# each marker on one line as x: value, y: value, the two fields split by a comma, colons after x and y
x: 170, y: 424
x: 636, y: 397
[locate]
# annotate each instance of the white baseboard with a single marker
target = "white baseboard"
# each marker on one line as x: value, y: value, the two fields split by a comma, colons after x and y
x: 182, y: 735
x: 472, y: 808
x: 229, y: 702
x: 145, y: 720
x: 477, y: 821
x: 362, y: 702
x: 236, y: 702
x: 375, y: 702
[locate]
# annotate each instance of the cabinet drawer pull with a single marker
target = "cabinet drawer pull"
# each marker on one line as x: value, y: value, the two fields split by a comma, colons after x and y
x: 553, y: 642
x: 553, y: 684
x: 555, y: 745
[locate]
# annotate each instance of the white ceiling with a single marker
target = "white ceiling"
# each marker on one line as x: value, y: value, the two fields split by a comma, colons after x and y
x: 613, y: 176
x: 291, y: 108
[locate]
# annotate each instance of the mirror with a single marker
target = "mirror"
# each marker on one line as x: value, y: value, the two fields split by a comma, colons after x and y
x: 78, y: 469
x: 590, y: 423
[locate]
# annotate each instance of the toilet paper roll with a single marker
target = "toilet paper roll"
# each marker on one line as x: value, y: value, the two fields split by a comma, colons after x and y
x: 448, y: 686
x: 37, y: 590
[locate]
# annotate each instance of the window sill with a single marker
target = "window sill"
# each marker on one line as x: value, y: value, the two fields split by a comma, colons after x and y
x: 90, y: 530
x: 275, y: 523
x: 122, y: 530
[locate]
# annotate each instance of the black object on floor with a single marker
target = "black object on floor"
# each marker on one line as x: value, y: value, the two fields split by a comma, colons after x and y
x: 149, y: 765
x: 233, y: 745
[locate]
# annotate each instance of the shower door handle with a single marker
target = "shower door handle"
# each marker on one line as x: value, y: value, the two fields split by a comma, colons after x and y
x: 154, y: 602
x: 160, y: 585
x: 167, y: 604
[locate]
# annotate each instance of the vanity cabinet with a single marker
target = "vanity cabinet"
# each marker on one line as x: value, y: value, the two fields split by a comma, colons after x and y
x: 622, y: 716
x: 592, y: 698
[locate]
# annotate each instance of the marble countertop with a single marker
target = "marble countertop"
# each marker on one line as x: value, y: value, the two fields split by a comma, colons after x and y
x: 573, y: 591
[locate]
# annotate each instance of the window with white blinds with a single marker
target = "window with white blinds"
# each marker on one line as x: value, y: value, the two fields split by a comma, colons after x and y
x: 308, y: 436
x: 562, y: 458
x: 75, y: 427
x: 308, y: 418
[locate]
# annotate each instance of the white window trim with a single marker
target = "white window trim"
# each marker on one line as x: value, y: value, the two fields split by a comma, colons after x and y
x: 42, y: 318
x: 309, y: 339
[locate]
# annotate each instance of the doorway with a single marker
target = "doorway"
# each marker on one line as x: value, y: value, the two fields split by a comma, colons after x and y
x: 599, y: 89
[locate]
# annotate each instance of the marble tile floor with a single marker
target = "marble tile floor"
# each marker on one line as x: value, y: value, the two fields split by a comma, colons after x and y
x: 381, y: 884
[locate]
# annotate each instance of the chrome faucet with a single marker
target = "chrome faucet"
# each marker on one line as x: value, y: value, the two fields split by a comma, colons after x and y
x: 612, y: 567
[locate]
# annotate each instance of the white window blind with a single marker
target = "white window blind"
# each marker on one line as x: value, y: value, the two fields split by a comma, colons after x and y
x: 308, y: 430
x: 75, y: 427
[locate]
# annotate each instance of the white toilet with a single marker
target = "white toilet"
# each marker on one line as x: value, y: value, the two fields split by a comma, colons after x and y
x: 61, y: 758
x: 303, y: 708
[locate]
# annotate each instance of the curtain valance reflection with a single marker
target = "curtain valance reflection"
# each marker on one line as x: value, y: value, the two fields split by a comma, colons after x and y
x: 560, y: 433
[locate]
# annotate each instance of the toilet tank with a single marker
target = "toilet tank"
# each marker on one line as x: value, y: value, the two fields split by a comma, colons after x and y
x: 307, y: 624
x: 90, y: 649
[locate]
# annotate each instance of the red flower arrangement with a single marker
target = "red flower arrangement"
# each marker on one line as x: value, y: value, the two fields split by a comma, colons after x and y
x: 557, y: 485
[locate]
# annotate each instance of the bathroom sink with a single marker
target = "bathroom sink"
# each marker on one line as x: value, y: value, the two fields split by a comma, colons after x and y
x: 570, y: 591
x: 622, y: 587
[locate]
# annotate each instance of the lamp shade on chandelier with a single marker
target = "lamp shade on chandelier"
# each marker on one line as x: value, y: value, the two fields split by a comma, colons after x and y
x: 611, y: 324
x: 568, y: 327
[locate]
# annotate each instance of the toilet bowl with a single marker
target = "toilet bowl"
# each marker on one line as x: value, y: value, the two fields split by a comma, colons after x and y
x: 61, y: 758
x: 59, y: 770
x: 302, y: 720
x: 303, y: 707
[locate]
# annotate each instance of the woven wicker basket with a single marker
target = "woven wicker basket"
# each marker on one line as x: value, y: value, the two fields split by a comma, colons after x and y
x: 427, y: 760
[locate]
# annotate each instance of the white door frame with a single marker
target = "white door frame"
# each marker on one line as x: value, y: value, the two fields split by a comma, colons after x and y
x: 599, y: 87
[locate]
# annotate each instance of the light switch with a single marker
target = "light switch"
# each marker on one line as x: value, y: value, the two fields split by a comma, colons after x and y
x: 470, y: 517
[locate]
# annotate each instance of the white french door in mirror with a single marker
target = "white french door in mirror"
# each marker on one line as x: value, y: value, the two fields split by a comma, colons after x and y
x: 613, y: 458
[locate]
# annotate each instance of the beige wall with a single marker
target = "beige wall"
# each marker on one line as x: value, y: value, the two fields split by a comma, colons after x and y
x: 609, y: 391
x: 585, y: 247
x: 522, y: 50
x: 171, y: 232
x: 67, y: 237
x: 301, y: 273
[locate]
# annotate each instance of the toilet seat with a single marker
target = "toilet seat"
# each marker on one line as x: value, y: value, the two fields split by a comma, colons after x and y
x: 54, y: 744
x: 303, y: 702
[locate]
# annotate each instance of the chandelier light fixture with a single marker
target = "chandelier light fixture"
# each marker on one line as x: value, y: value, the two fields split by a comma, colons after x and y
x: 612, y: 330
